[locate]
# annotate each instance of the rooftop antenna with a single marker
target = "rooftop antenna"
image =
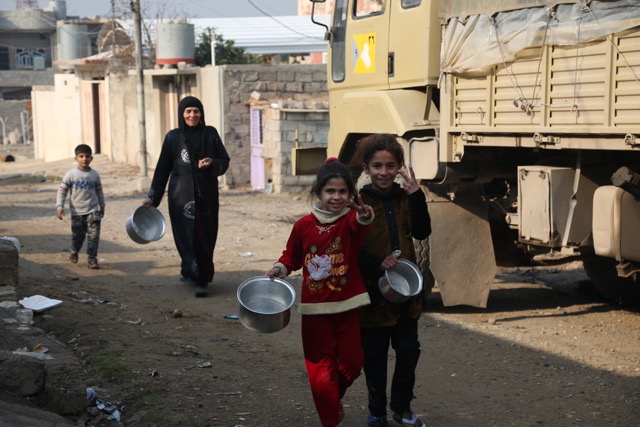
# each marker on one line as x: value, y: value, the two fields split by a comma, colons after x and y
x: 26, y: 4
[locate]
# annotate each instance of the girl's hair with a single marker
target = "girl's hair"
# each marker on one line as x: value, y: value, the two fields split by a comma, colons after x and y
x: 331, y: 168
x: 370, y: 145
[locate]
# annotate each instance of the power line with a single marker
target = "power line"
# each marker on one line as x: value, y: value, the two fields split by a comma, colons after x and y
x: 281, y: 23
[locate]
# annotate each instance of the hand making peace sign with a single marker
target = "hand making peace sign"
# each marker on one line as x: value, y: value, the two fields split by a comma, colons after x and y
x: 410, y: 183
x: 365, y: 211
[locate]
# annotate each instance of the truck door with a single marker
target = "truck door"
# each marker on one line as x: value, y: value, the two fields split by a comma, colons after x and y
x: 360, y: 35
x: 414, y: 43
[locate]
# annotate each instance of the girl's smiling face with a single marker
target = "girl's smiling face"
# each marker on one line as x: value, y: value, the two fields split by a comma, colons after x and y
x: 335, y: 195
x: 383, y: 169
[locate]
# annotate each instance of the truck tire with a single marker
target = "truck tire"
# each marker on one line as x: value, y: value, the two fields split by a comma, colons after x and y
x: 603, y: 274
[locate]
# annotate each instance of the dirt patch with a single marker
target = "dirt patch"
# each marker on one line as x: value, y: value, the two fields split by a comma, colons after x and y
x: 542, y: 353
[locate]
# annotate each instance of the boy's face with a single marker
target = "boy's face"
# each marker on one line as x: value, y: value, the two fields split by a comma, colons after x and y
x: 84, y: 160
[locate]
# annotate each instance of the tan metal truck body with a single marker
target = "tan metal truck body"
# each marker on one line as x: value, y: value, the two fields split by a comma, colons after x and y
x: 515, y: 117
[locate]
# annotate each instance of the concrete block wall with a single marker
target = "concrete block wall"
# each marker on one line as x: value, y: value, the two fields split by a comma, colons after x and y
x: 281, y: 128
x: 303, y: 86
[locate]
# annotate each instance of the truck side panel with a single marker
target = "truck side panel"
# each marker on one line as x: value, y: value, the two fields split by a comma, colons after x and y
x: 582, y: 95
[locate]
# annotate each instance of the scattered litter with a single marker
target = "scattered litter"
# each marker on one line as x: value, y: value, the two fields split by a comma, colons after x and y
x: 37, y: 355
x: 246, y: 254
x: 176, y: 313
x: 135, y: 322
x: 153, y: 373
x: 77, y: 298
x: 231, y: 316
x: 8, y: 304
x: 204, y: 364
x: 39, y: 348
x: 106, y: 407
x: 39, y: 303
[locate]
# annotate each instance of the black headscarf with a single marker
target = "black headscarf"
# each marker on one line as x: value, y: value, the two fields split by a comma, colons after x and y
x: 192, y: 134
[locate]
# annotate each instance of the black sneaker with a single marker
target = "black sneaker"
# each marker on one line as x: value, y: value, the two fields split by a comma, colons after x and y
x: 201, y: 291
x: 93, y: 264
x: 73, y: 257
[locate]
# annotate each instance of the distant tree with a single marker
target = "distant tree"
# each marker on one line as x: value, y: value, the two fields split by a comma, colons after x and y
x: 226, y: 51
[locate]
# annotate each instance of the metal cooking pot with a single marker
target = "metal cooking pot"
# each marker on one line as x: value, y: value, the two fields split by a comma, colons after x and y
x: 401, y: 282
x: 265, y: 304
x: 147, y: 224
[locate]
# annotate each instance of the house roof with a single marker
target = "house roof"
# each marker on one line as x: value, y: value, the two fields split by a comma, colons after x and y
x: 269, y: 35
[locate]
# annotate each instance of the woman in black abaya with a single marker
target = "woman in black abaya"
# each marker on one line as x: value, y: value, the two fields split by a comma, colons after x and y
x: 191, y: 159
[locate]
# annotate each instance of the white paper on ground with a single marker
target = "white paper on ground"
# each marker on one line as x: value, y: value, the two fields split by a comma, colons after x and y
x: 39, y: 303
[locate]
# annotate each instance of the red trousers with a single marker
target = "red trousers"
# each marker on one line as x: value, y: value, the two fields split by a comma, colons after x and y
x: 333, y: 356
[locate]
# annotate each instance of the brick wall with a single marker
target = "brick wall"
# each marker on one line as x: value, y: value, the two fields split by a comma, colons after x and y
x: 282, y: 127
x: 292, y: 86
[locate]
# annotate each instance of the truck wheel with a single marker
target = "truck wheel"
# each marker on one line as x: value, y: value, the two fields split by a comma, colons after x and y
x: 423, y: 261
x: 603, y: 274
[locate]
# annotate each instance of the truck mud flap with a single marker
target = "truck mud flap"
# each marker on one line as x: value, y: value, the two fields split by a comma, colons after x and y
x: 462, y: 257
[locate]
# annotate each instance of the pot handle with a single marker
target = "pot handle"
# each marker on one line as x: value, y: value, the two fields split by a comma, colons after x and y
x: 396, y: 254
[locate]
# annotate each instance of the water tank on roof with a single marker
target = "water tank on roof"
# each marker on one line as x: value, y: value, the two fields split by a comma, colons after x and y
x: 59, y: 8
x: 176, y: 43
x: 74, y: 42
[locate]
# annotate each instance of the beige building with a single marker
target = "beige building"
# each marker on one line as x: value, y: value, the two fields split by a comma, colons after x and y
x: 103, y: 113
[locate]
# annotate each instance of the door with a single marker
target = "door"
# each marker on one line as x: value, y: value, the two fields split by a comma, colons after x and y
x: 359, y: 45
x: 258, y: 176
x: 414, y: 43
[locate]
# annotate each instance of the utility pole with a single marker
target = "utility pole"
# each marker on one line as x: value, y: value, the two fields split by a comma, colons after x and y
x: 135, y: 8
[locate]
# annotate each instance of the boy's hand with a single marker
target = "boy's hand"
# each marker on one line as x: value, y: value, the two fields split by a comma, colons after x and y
x: 102, y: 213
x: 60, y: 213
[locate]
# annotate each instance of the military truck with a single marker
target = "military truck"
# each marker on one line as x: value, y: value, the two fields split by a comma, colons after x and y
x: 521, y: 118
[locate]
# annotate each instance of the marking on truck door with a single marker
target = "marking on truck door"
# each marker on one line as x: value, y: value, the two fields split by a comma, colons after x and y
x: 364, y: 55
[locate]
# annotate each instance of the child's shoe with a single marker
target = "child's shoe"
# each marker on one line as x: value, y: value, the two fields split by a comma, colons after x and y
x: 373, y: 421
x: 73, y: 257
x: 93, y: 264
x: 408, y: 419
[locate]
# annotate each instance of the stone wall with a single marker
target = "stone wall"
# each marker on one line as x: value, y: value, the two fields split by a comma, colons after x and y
x: 297, y: 86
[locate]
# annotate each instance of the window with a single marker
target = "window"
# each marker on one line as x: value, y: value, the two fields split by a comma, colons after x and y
x: 4, y: 58
x: 338, y: 34
x: 25, y: 57
x: 406, y: 4
x: 364, y: 8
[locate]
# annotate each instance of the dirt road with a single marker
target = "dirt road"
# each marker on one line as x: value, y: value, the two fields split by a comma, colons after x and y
x: 542, y: 353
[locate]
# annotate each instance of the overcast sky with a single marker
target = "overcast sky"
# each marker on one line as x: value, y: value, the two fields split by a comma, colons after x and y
x: 175, y: 8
